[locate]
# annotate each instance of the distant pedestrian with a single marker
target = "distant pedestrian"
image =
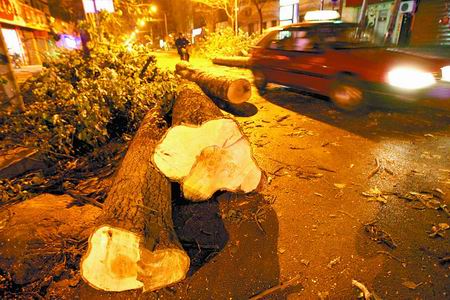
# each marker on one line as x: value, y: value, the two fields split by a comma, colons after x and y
x: 182, y: 44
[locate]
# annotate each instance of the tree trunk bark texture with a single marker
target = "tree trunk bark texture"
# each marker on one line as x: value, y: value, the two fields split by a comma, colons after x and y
x: 232, y: 61
x: 135, y: 245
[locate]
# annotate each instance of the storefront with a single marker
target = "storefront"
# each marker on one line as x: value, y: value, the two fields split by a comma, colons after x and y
x: 377, y: 18
x: 431, y: 23
x: 25, y: 31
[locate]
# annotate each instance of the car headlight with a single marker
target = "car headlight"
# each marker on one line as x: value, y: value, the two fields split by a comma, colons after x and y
x: 410, y: 78
x: 446, y: 73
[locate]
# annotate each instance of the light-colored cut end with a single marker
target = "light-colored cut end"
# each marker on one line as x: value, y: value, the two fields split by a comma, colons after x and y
x: 215, y: 156
x: 230, y: 169
x: 116, y: 261
x: 240, y: 91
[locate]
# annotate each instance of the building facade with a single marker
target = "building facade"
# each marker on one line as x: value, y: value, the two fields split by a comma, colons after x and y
x: 249, y: 18
x: 431, y: 24
x: 28, y: 29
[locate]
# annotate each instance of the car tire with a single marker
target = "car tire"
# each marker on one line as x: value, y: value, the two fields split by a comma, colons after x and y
x: 347, y: 93
x: 260, y: 81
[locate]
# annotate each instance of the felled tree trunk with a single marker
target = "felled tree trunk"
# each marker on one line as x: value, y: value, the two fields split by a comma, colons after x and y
x: 135, y: 245
x: 229, y: 88
x: 232, y: 61
x: 204, y: 151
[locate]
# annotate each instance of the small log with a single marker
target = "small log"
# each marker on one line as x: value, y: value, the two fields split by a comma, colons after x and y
x: 135, y: 245
x: 204, y: 151
x: 229, y: 88
x: 232, y: 61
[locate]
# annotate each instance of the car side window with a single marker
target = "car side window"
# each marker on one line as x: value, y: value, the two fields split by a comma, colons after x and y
x: 302, y: 40
x: 281, y: 40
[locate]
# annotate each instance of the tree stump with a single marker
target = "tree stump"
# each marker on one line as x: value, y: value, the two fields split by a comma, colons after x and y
x: 204, y: 151
x: 135, y: 245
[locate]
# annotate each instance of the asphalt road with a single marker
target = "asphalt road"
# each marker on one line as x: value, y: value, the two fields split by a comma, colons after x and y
x: 352, y: 197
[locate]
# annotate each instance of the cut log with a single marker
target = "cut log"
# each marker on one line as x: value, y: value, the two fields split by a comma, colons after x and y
x: 135, y: 245
x: 204, y: 151
x: 229, y: 88
x: 232, y: 61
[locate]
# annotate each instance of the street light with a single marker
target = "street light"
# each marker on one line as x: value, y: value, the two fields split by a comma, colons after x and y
x: 154, y: 9
x: 142, y: 22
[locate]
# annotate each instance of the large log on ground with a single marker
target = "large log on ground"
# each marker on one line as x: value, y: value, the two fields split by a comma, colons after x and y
x: 204, y: 151
x: 135, y: 245
x: 232, y: 61
x: 227, y: 88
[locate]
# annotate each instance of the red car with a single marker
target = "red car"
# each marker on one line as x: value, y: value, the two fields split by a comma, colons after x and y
x: 331, y: 58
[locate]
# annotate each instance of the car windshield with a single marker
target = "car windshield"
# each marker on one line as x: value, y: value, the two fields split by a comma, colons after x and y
x: 344, y: 37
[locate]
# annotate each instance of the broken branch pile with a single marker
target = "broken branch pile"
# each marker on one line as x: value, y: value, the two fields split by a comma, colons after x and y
x: 230, y: 89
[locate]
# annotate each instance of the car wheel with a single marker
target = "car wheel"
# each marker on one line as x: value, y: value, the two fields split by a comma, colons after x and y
x: 260, y: 81
x: 347, y: 93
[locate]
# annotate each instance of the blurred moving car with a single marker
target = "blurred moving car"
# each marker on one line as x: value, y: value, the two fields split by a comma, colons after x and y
x: 333, y: 59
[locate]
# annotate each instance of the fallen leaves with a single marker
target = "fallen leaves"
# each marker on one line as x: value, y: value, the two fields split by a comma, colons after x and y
x: 379, y: 235
x: 439, y: 230
x: 300, y: 132
x: 334, y: 262
x: 340, y: 185
x: 374, y: 194
x: 411, y: 285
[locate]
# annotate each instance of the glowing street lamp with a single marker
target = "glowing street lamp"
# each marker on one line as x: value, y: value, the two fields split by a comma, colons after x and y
x: 153, y: 8
x: 141, y: 22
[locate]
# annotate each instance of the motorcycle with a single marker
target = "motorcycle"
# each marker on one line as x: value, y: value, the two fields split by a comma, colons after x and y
x: 184, y: 54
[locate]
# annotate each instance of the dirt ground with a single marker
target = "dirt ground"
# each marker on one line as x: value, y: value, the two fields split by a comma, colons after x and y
x: 349, y: 197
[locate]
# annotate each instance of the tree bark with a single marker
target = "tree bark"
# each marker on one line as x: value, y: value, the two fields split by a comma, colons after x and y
x: 135, y: 245
x: 229, y: 89
x: 232, y: 61
x: 193, y: 107
x: 259, y: 9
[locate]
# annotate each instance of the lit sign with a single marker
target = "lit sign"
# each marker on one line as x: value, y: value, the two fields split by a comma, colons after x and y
x: 288, y: 2
x: 69, y: 42
x: 94, y: 6
x: 6, y: 10
x: 322, y: 15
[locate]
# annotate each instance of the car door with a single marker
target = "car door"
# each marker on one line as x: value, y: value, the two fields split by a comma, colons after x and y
x: 272, y: 57
x: 306, y: 64
x: 295, y: 59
